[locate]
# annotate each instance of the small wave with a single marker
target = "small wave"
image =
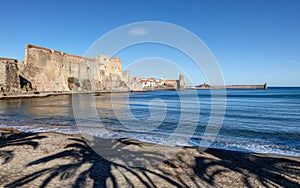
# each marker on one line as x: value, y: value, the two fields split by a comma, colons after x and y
x: 157, y: 138
x: 45, y: 128
x: 257, y: 147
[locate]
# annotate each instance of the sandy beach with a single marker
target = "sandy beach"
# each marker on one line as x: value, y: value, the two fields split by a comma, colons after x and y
x: 60, y: 160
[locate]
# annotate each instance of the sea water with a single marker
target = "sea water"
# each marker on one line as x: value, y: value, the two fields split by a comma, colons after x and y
x: 261, y: 121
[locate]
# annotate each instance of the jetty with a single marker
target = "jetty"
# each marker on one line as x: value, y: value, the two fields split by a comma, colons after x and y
x: 207, y: 86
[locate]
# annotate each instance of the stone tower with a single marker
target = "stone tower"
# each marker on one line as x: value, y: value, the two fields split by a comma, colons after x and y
x: 181, y: 85
x: 9, y: 78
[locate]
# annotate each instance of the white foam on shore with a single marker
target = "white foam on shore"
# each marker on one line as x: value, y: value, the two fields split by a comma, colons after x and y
x: 258, y: 147
x: 37, y: 129
x: 248, y: 147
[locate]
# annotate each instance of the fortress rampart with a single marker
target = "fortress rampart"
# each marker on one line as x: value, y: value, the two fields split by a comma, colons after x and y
x: 52, y: 70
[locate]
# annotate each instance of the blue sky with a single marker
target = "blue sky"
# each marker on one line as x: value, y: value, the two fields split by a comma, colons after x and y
x: 253, y: 41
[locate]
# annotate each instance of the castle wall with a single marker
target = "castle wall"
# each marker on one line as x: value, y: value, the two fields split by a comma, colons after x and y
x: 49, y: 70
x: 114, y: 66
x: 52, y: 70
x: 9, y: 78
x: 126, y: 76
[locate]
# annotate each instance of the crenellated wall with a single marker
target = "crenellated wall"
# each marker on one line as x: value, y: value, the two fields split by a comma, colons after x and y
x: 51, y: 70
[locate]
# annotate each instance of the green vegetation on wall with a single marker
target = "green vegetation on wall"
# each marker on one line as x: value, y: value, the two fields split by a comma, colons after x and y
x: 74, y: 80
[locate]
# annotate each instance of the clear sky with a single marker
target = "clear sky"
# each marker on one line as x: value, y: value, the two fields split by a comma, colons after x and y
x: 253, y: 41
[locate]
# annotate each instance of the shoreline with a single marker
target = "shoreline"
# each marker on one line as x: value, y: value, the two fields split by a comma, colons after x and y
x: 59, y: 93
x: 7, y: 96
x: 32, y: 94
x: 41, y: 128
x: 58, y: 159
x: 49, y: 94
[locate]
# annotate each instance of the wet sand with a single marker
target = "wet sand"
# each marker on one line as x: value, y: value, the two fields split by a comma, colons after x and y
x: 60, y: 160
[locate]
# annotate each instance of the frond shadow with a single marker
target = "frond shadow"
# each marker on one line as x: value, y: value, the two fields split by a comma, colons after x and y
x: 99, y: 171
x: 17, y: 139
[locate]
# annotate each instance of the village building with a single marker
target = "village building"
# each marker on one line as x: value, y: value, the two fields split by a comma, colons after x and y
x: 151, y: 83
x: 148, y: 82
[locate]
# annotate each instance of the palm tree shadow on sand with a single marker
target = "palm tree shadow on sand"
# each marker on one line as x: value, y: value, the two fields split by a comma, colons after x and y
x: 99, y: 171
x: 85, y: 168
x: 269, y: 172
x: 12, y: 137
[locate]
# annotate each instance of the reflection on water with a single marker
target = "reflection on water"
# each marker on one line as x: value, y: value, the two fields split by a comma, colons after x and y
x: 54, y: 110
x: 38, y: 107
x: 37, y: 110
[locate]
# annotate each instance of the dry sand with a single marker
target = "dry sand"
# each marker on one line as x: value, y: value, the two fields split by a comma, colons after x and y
x: 60, y: 160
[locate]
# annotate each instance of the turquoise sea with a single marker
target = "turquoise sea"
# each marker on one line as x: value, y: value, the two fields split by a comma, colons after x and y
x: 261, y: 121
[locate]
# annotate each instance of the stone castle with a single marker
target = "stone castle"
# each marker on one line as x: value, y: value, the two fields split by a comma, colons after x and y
x: 47, y: 70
